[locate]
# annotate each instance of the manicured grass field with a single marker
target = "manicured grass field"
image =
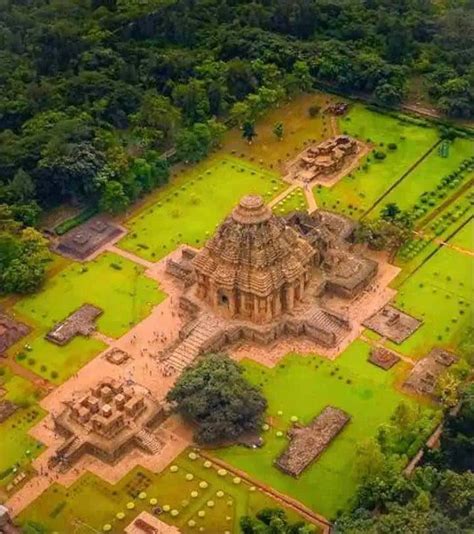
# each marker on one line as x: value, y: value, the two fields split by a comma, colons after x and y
x: 298, y: 126
x: 428, y: 174
x: 59, y: 508
x: 303, y: 386
x: 191, y: 206
x: 439, y: 292
x: 113, y: 283
x: 17, y: 448
x: 294, y: 201
x: 357, y: 192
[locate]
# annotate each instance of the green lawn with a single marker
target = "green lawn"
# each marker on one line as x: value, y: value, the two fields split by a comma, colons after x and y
x: 294, y: 201
x: 193, y: 204
x: 303, y: 386
x: 299, y: 128
x: 440, y: 293
x: 17, y: 448
x: 357, y: 192
x: 63, y: 510
x: 113, y: 283
x: 427, y: 175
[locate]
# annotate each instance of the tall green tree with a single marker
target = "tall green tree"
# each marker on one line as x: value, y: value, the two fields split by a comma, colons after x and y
x: 214, y: 395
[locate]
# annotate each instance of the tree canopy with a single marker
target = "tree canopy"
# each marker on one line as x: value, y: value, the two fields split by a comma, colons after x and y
x: 214, y: 395
x: 87, y: 88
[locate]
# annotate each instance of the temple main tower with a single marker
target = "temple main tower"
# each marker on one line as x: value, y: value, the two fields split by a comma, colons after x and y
x: 255, y: 267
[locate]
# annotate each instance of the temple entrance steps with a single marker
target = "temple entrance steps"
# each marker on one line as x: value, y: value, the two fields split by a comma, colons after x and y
x: 147, y: 441
x: 323, y: 320
x: 206, y: 328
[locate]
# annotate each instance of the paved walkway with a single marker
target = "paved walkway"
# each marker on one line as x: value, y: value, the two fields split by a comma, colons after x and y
x: 282, y: 195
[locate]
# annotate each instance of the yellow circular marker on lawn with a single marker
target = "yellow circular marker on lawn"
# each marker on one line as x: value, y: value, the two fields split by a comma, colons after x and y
x: 120, y: 515
x: 166, y: 508
x: 194, y: 494
x: 210, y: 504
x: 130, y: 505
x: 153, y: 501
x: 203, y: 484
x: 191, y: 523
x: 174, y: 512
x: 174, y: 468
x: 201, y: 513
x: 189, y: 476
x: 142, y: 495
x: 107, y: 527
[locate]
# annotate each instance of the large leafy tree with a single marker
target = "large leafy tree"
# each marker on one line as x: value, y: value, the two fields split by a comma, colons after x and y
x: 214, y: 395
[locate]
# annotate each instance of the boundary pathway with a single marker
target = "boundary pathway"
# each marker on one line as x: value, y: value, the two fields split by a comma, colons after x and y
x: 402, y: 177
x: 314, y: 518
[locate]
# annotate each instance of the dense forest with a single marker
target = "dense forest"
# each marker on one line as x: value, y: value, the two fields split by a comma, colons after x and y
x: 439, y: 495
x: 92, y: 89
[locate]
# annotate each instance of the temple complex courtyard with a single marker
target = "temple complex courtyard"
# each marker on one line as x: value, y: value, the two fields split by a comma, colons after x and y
x: 232, y: 256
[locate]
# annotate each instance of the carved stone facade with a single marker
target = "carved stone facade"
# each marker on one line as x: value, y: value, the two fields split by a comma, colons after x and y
x: 255, y: 267
x: 107, y: 421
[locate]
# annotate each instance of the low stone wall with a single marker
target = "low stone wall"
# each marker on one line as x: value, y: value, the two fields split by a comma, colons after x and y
x: 307, y: 443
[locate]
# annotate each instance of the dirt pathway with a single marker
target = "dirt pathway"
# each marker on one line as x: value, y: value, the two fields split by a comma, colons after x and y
x: 314, y: 518
x: 27, y: 374
x: 443, y: 243
x: 402, y: 177
x: 129, y: 256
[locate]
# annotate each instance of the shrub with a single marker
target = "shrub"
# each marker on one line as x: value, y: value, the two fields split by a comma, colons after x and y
x: 379, y: 155
x: 392, y: 146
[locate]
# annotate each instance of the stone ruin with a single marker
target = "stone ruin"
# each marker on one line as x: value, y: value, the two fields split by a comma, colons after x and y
x: 107, y: 422
x: 324, y: 159
x: 260, y: 277
x: 183, y: 267
x: 11, y: 331
x: 392, y: 324
x: 81, y: 322
x: 307, y: 443
x: 7, y: 409
x: 116, y: 356
x: 337, y: 108
x: 145, y: 523
x: 383, y: 358
x: 341, y: 272
x: 83, y: 241
x: 424, y: 376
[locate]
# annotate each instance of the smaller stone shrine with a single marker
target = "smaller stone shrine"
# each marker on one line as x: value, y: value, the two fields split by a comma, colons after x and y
x: 425, y: 374
x: 81, y: 242
x: 11, y: 331
x: 392, y: 324
x: 307, y: 443
x: 337, y: 108
x: 324, y: 159
x: 107, y: 422
x: 383, y: 358
x: 81, y: 322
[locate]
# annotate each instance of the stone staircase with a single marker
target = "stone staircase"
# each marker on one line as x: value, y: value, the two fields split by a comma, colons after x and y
x: 327, y: 322
x: 148, y: 442
x: 196, y: 342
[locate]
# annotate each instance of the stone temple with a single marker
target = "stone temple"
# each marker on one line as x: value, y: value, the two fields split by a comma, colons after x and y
x: 261, y: 276
x: 255, y: 266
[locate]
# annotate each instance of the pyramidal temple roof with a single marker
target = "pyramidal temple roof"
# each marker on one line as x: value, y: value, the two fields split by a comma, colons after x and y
x: 254, y: 251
